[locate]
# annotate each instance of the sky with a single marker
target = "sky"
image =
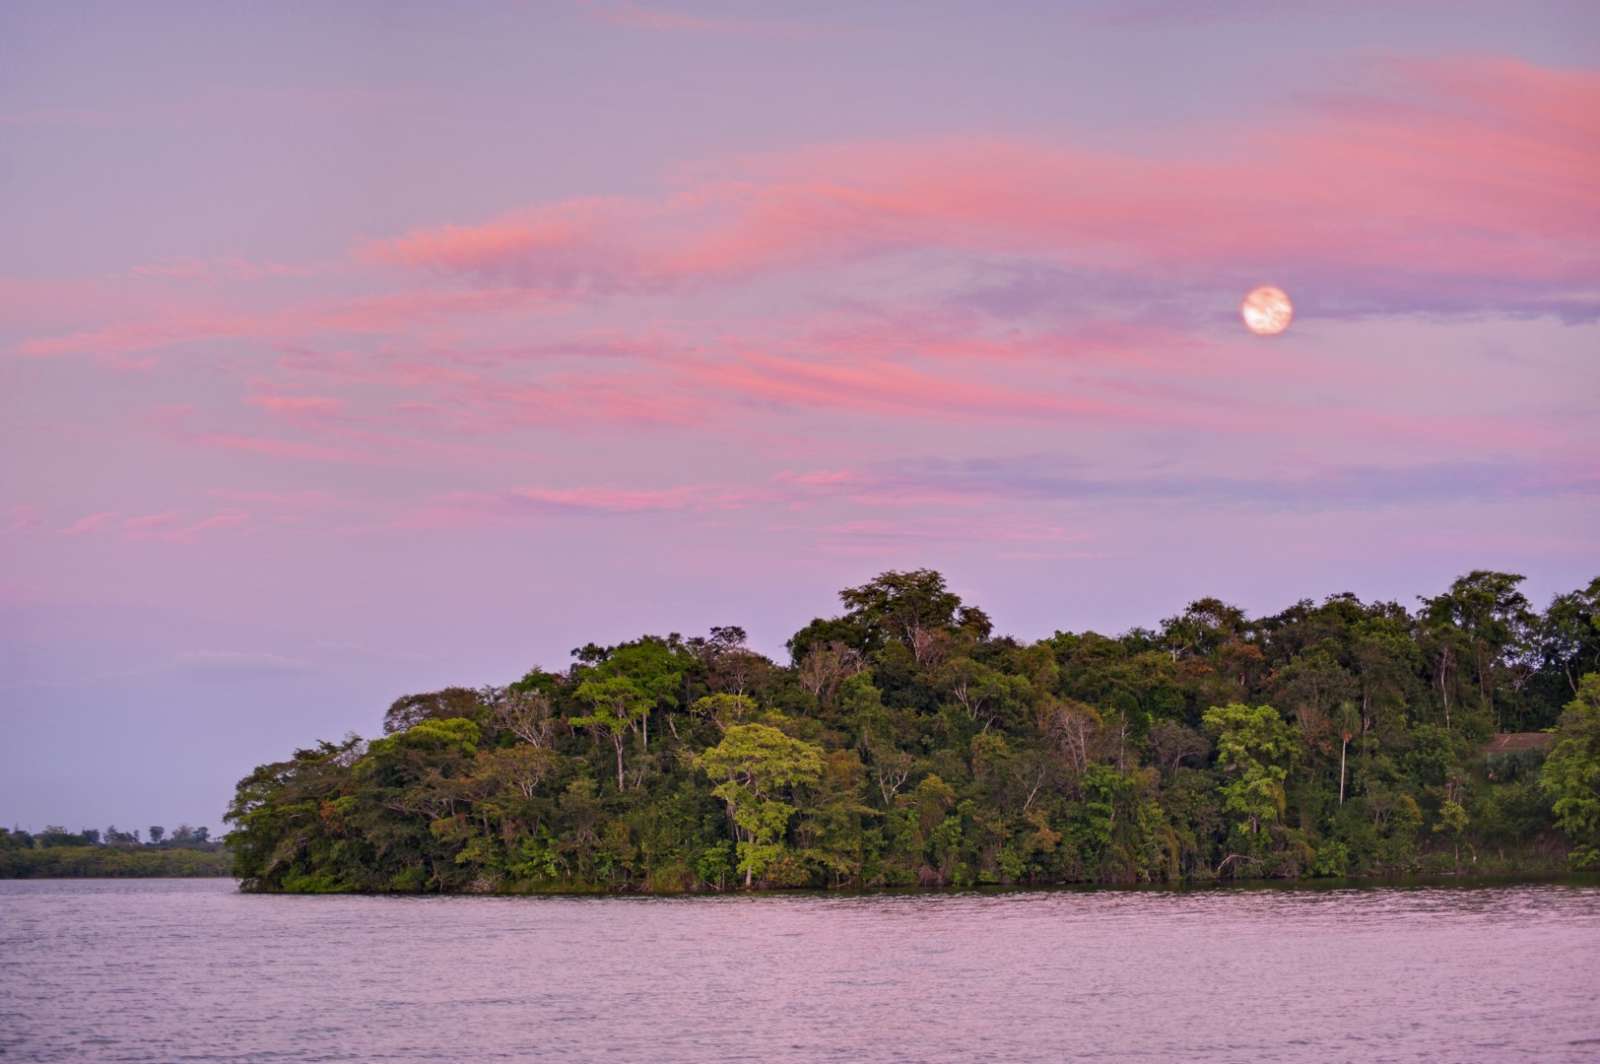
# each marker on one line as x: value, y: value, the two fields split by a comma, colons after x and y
x: 356, y: 350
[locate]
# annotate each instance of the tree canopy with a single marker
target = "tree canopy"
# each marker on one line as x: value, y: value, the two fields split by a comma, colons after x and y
x: 905, y: 743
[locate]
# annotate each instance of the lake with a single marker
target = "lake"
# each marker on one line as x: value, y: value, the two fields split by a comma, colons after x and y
x: 168, y: 970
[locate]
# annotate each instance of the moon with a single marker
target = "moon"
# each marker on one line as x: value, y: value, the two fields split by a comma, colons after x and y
x: 1267, y: 311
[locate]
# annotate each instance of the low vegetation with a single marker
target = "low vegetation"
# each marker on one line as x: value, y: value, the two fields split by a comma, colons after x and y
x: 58, y: 853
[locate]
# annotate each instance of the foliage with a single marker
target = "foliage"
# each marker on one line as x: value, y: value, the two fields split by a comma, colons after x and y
x: 55, y: 852
x: 1571, y: 774
x: 906, y: 743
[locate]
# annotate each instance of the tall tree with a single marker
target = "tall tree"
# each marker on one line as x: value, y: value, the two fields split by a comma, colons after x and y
x: 910, y: 607
x: 755, y: 766
x: 617, y: 706
x: 1494, y: 621
x: 1255, y: 748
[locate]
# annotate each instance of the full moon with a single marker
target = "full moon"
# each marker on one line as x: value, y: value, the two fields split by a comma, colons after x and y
x: 1267, y: 311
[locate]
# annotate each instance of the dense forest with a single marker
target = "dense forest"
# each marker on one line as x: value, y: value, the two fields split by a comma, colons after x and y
x: 56, y: 853
x: 907, y: 744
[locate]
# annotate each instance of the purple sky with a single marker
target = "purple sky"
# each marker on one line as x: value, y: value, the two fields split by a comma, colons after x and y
x: 357, y: 350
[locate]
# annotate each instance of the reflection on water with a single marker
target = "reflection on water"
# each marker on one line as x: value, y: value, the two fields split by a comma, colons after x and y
x: 167, y: 970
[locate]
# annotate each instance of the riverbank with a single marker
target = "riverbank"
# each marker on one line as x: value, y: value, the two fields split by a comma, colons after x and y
x: 1533, y: 864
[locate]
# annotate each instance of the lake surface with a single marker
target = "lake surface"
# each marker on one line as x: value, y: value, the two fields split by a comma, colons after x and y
x: 171, y: 970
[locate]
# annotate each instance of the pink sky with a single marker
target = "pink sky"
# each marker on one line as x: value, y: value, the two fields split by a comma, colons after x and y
x: 353, y: 354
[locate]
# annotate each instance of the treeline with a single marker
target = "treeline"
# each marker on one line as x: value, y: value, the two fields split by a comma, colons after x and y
x: 56, y: 852
x: 907, y: 744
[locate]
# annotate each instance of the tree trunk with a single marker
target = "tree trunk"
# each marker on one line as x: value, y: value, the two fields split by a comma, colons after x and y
x: 1444, y: 692
x: 1342, y: 748
x: 616, y: 741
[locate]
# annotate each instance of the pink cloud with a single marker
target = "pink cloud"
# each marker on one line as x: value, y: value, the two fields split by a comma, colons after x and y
x: 307, y: 498
x: 225, y: 519
x: 882, y: 386
x: 377, y: 314
x: 89, y: 523
x: 296, y: 404
x: 171, y: 527
x: 1477, y: 164
x: 605, y: 500
x: 275, y: 447
x: 474, y: 508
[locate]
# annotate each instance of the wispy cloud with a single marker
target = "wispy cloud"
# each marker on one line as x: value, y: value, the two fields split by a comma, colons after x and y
x: 170, y: 526
x: 296, y: 405
x: 89, y: 523
x: 521, y: 503
x: 1038, y: 477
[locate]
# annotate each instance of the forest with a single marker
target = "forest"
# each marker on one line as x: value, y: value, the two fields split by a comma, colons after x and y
x: 905, y: 744
x: 56, y: 853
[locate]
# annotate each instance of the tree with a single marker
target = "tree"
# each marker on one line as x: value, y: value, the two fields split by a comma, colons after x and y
x: 986, y: 694
x: 156, y: 831
x: 1075, y: 730
x: 1496, y: 624
x: 755, y: 766
x: 1171, y: 744
x: 617, y: 706
x: 729, y: 667
x: 654, y: 667
x: 1569, y: 636
x: 950, y: 754
x: 1571, y: 774
x: 1254, y: 748
x: 521, y: 769
x: 724, y: 710
x: 827, y: 665
x: 1205, y: 626
x: 909, y: 607
x: 527, y: 714
x: 411, y: 710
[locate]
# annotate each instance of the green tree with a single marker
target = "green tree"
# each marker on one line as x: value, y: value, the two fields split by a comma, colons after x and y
x: 1493, y: 621
x: 910, y: 607
x: 907, y: 743
x: 617, y: 706
x: 1571, y: 774
x: 1254, y: 749
x: 755, y: 768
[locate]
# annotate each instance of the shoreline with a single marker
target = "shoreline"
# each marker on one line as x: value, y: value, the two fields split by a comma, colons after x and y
x: 1406, y: 882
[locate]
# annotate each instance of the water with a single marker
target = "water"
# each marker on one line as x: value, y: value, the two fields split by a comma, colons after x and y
x: 174, y: 970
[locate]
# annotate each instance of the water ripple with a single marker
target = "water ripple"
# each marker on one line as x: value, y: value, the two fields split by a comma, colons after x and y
x: 173, y: 970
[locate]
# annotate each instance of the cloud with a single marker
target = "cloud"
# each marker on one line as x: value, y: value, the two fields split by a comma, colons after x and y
x: 89, y: 523
x: 277, y: 447
x: 1042, y: 478
x: 886, y: 387
x: 361, y: 315
x: 171, y: 526
x: 470, y: 507
x: 1461, y: 188
x: 296, y: 404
